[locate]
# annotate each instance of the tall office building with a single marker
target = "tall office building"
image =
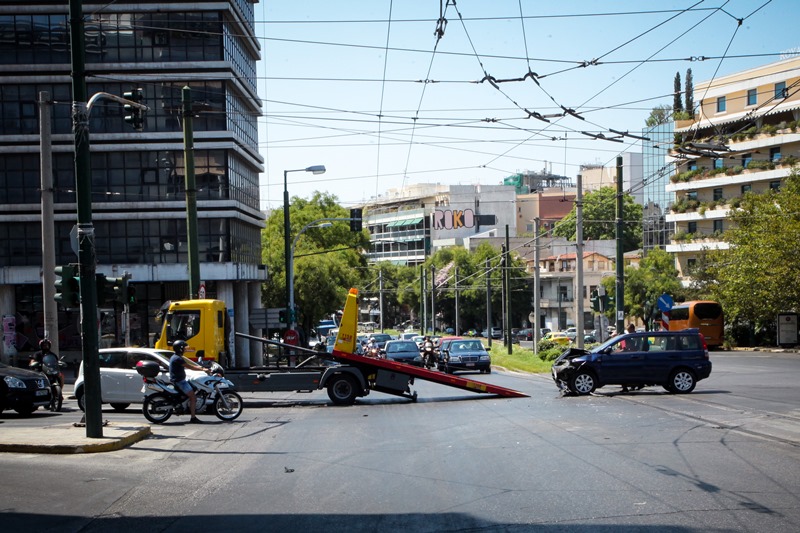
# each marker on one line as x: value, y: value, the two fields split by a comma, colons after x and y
x: 137, y: 177
x: 656, y: 201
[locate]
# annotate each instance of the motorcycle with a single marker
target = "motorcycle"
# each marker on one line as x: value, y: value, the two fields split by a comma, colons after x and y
x: 214, y: 394
x: 428, y: 356
x: 51, y: 367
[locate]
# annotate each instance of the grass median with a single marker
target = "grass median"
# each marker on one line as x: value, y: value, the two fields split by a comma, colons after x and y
x: 520, y: 359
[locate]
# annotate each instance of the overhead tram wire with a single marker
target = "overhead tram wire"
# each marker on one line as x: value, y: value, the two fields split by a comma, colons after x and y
x: 383, y: 93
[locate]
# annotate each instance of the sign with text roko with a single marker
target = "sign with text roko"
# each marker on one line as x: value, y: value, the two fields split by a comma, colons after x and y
x: 444, y: 219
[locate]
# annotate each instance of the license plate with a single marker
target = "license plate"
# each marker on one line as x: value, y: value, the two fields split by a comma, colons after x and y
x: 42, y: 392
x: 470, y: 364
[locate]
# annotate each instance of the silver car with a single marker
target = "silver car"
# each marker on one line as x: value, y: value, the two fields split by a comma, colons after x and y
x: 120, y: 384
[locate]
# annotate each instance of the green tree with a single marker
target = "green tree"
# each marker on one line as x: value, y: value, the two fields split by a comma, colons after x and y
x: 327, y: 261
x: 689, y: 94
x: 599, y: 216
x: 677, y: 104
x: 659, y: 115
x: 756, y: 277
x: 655, y: 275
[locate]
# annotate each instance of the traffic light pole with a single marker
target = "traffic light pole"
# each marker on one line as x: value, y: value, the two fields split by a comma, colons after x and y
x: 86, y: 254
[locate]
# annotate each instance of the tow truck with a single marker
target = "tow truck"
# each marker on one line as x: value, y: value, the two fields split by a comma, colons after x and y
x: 347, y: 375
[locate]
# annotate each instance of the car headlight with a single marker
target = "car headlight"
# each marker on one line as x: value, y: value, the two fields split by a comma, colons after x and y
x: 486, y: 358
x: 14, y: 383
x: 455, y: 358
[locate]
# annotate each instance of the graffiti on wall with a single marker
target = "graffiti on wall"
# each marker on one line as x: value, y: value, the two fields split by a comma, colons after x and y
x: 444, y: 219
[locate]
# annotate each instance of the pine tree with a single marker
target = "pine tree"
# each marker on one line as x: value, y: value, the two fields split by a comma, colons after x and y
x: 689, y: 94
x: 677, y: 104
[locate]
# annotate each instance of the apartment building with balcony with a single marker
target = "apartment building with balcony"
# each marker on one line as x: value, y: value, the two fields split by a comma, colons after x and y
x: 559, y: 287
x: 138, y: 177
x: 744, y: 139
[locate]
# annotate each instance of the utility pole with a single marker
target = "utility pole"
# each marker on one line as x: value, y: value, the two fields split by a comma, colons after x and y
x: 458, y: 319
x: 191, y: 194
x: 85, y: 229
x: 537, y: 296
x: 423, y: 302
x: 433, y: 299
x: 506, y: 262
x: 380, y: 294
x: 50, y: 307
x: 503, y: 288
x: 579, y: 263
x: 489, y: 303
x: 620, y: 284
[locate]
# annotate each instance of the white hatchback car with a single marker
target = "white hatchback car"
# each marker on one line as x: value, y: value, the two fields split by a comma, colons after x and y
x: 120, y: 383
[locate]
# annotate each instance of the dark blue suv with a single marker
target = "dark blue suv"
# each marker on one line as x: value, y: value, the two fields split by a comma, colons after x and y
x: 676, y: 360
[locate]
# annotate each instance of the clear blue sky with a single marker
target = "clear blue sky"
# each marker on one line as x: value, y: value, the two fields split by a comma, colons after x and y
x: 341, y: 83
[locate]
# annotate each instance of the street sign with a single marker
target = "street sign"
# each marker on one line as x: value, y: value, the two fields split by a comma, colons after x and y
x: 201, y: 292
x: 665, y: 303
x: 290, y: 336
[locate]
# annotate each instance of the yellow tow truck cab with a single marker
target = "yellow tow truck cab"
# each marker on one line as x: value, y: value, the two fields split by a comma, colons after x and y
x: 203, y: 324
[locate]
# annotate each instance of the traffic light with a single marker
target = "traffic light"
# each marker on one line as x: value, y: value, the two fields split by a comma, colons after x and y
x: 355, y: 219
x: 105, y: 290
x: 133, y: 114
x: 67, y: 286
x: 595, y: 301
x: 131, y: 294
x: 281, y: 316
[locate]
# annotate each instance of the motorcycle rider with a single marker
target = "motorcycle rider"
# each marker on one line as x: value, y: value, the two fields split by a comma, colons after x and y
x: 177, y: 374
x: 39, y: 358
x: 427, y: 351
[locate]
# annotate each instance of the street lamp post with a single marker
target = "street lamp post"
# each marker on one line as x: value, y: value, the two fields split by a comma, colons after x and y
x: 314, y: 224
x: 316, y: 169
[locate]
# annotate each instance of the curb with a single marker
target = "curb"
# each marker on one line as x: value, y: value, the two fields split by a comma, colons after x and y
x: 70, y: 439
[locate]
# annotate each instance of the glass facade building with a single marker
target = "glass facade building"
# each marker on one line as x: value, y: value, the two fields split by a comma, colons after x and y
x: 137, y: 177
x: 656, y: 201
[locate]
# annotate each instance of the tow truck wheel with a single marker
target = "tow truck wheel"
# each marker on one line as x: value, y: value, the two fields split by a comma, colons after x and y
x: 343, y: 389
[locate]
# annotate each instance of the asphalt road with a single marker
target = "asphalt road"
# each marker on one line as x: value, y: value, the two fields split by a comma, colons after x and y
x: 725, y: 458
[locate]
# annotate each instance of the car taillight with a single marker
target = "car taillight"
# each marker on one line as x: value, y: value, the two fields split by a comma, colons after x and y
x: 705, y: 344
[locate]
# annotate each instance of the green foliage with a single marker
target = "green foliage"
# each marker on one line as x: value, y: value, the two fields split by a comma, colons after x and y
x: 659, y: 115
x: 327, y: 261
x: 550, y: 350
x: 751, y: 279
x: 599, y: 215
x: 655, y: 275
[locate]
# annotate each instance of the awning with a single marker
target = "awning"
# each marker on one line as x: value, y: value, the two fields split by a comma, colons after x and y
x: 707, y: 122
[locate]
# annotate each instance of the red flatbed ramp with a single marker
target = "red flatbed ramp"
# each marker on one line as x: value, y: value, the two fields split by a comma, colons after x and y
x: 428, y: 375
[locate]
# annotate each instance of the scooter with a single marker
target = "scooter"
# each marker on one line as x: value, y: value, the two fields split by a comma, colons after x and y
x: 429, y: 357
x: 214, y: 394
x: 51, y: 367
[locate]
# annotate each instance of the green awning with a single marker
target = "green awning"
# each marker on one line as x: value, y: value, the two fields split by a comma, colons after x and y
x: 412, y: 222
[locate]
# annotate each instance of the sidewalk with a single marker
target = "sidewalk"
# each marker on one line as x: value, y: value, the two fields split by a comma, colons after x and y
x: 70, y: 439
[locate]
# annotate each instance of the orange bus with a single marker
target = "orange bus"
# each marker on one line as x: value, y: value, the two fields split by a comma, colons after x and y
x: 707, y: 316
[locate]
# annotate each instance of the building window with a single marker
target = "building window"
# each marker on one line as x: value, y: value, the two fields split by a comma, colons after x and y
x: 746, y: 188
x: 718, y: 194
x: 752, y: 97
x: 780, y: 90
x: 775, y: 153
x: 775, y: 185
x: 692, y: 227
x: 718, y: 226
x: 691, y: 195
x: 746, y: 158
x: 691, y: 263
x: 721, y: 104
x: 692, y: 165
x: 719, y: 163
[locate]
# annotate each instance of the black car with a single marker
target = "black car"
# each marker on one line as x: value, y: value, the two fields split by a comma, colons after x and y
x: 676, y: 360
x: 464, y: 354
x: 403, y: 352
x: 23, y: 390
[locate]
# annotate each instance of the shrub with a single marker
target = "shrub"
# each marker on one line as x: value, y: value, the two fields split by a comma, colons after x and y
x: 760, y: 165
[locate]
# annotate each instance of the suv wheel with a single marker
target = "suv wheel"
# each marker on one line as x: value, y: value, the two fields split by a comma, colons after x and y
x: 681, y: 381
x: 583, y: 383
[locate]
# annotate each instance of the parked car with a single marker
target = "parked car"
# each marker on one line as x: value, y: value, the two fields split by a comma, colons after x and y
x: 559, y: 337
x: 120, y: 384
x: 676, y: 360
x: 524, y: 335
x: 23, y: 390
x: 464, y: 354
x: 403, y: 351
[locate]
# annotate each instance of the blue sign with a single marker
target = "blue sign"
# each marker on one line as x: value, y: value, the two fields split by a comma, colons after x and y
x: 665, y: 302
